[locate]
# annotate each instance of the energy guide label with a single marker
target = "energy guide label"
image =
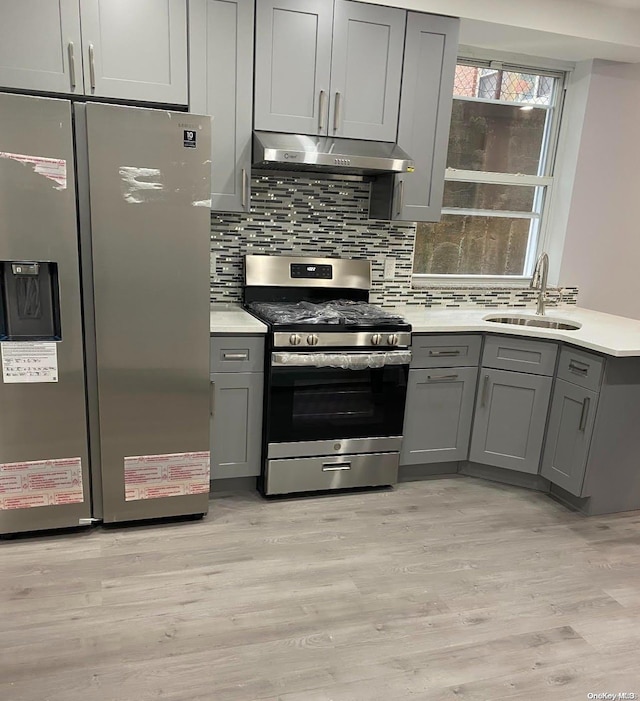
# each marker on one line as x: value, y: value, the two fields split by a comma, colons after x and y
x: 170, y: 475
x: 28, y: 361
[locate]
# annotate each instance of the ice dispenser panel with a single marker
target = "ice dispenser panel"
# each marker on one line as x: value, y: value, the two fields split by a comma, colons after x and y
x: 29, y: 301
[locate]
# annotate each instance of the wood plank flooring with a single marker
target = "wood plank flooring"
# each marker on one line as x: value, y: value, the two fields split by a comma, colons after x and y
x: 438, y: 590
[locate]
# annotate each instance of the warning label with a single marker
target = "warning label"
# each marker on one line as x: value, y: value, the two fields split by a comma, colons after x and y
x: 171, y: 475
x: 24, y: 485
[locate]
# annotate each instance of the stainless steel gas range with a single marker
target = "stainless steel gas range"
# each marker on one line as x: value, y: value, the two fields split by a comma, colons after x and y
x: 337, y: 371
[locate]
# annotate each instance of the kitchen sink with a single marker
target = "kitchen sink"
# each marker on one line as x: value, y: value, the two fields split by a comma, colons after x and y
x: 544, y: 322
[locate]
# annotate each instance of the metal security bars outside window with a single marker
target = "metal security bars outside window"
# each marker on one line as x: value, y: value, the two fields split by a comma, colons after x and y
x: 503, y: 134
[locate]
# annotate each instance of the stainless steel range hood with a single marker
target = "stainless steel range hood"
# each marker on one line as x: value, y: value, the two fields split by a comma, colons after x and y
x: 328, y: 154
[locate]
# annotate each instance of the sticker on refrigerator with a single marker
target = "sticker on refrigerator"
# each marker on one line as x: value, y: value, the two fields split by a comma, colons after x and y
x: 25, y: 485
x: 189, y: 138
x: 171, y: 475
x: 29, y: 361
x: 54, y: 169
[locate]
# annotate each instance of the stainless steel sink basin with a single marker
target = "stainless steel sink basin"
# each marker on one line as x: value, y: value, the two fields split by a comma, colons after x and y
x: 543, y: 322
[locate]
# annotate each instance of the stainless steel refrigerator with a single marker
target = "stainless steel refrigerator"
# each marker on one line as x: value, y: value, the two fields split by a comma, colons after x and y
x: 104, y: 313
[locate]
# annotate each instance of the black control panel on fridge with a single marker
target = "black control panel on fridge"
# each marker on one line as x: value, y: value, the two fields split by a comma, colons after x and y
x: 311, y: 271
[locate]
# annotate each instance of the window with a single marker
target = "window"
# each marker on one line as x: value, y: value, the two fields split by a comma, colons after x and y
x: 503, y: 130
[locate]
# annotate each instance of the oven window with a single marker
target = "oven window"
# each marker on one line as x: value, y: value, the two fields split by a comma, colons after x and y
x: 307, y: 404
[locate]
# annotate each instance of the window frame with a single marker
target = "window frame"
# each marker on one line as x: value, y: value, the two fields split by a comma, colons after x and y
x: 543, y: 181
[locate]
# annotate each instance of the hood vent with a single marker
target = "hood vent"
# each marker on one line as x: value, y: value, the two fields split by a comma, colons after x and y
x: 328, y: 154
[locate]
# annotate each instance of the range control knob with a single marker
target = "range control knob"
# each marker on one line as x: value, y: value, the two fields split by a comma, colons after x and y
x: 376, y: 339
x: 295, y: 339
x: 312, y: 339
x: 393, y: 339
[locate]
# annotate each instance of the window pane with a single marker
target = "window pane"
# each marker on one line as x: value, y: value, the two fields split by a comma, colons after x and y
x: 470, y: 245
x: 511, y: 86
x: 495, y: 138
x: 513, y: 198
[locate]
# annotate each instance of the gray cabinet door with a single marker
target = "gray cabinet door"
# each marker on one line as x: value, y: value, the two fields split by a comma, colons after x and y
x: 571, y: 421
x: 135, y: 51
x: 366, y: 71
x: 236, y: 424
x: 292, y: 65
x: 425, y: 114
x: 221, y: 84
x: 40, y: 46
x: 438, y: 415
x: 511, y: 412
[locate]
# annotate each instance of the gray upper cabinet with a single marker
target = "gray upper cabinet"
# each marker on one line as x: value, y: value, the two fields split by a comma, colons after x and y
x: 328, y: 67
x: 40, y: 46
x: 292, y: 65
x: 221, y: 85
x: 103, y: 48
x: 571, y: 422
x: 366, y: 71
x: 135, y: 51
x: 423, y: 127
x: 510, y: 418
x: 438, y: 415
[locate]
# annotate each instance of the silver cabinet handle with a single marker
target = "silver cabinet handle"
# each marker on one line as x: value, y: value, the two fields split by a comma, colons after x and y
x: 485, y: 391
x: 92, y: 66
x: 400, y: 197
x: 321, y: 104
x: 212, y: 404
x: 335, y: 466
x: 245, y: 189
x: 439, y: 353
x: 72, y: 66
x: 584, y: 414
x: 441, y: 378
x: 337, y: 109
x: 578, y: 368
x: 235, y: 356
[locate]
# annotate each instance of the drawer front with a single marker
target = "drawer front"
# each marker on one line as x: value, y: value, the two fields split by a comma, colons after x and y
x: 520, y: 355
x: 331, y: 472
x: 447, y: 351
x: 581, y: 368
x: 237, y: 354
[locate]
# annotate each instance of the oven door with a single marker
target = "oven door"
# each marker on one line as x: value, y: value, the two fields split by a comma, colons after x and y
x: 319, y: 396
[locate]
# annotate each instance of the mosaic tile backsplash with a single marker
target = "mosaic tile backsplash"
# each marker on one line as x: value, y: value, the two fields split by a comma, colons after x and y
x: 308, y: 216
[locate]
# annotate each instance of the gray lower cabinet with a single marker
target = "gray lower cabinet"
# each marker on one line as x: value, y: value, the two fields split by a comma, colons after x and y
x: 438, y: 415
x: 236, y: 424
x: 510, y: 417
x: 571, y: 422
x: 221, y: 85
x: 328, y: 68
x: 423, y: 129
x: 102, y: 48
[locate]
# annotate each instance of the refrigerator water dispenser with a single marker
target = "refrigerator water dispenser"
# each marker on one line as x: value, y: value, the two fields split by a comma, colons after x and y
x: 29, y: 301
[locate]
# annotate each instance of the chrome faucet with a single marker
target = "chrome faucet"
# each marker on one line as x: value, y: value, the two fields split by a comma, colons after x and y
x: 539, y: 281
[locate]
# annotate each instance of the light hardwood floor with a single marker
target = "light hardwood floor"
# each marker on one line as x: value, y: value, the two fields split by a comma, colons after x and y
x: 437, y: 590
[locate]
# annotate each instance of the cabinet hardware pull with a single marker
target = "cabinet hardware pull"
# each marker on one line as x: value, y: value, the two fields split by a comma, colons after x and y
x: 92, y: 66
x: 335, y: 466
x: 485, y: 391
x: 72, y: 66
x: 584, y: 414
x: 400, y: 197
x: 212, y: 403
x: 435, y: 378
x: 235, y: 356
x: 434, y: 354
x: 578, y: 368
x: 337, y: 109
x: 321, y: 101
x: 244, y: 188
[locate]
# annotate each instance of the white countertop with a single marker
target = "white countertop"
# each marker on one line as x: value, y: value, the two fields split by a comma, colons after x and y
x: 232, y: 318
x: 613, y: 335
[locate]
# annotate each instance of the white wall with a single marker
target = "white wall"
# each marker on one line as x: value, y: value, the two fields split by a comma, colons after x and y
x: 602, y: 243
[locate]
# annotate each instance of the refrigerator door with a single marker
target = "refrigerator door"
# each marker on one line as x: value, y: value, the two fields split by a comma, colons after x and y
x: 150, y: 230
x: 44, y: 477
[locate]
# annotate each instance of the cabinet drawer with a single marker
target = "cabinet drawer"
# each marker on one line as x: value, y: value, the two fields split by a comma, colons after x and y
x: 521, y: 355
x: 580, y: 368
x: 237, y: 354
x: 447, y: 351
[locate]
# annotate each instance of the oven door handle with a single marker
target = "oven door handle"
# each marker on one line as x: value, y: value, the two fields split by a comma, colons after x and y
x: 343, y: 360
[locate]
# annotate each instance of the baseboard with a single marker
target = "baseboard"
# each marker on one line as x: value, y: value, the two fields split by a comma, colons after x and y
x: 233, y: 484
x: 413, y: 473
x: 500, y: 474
